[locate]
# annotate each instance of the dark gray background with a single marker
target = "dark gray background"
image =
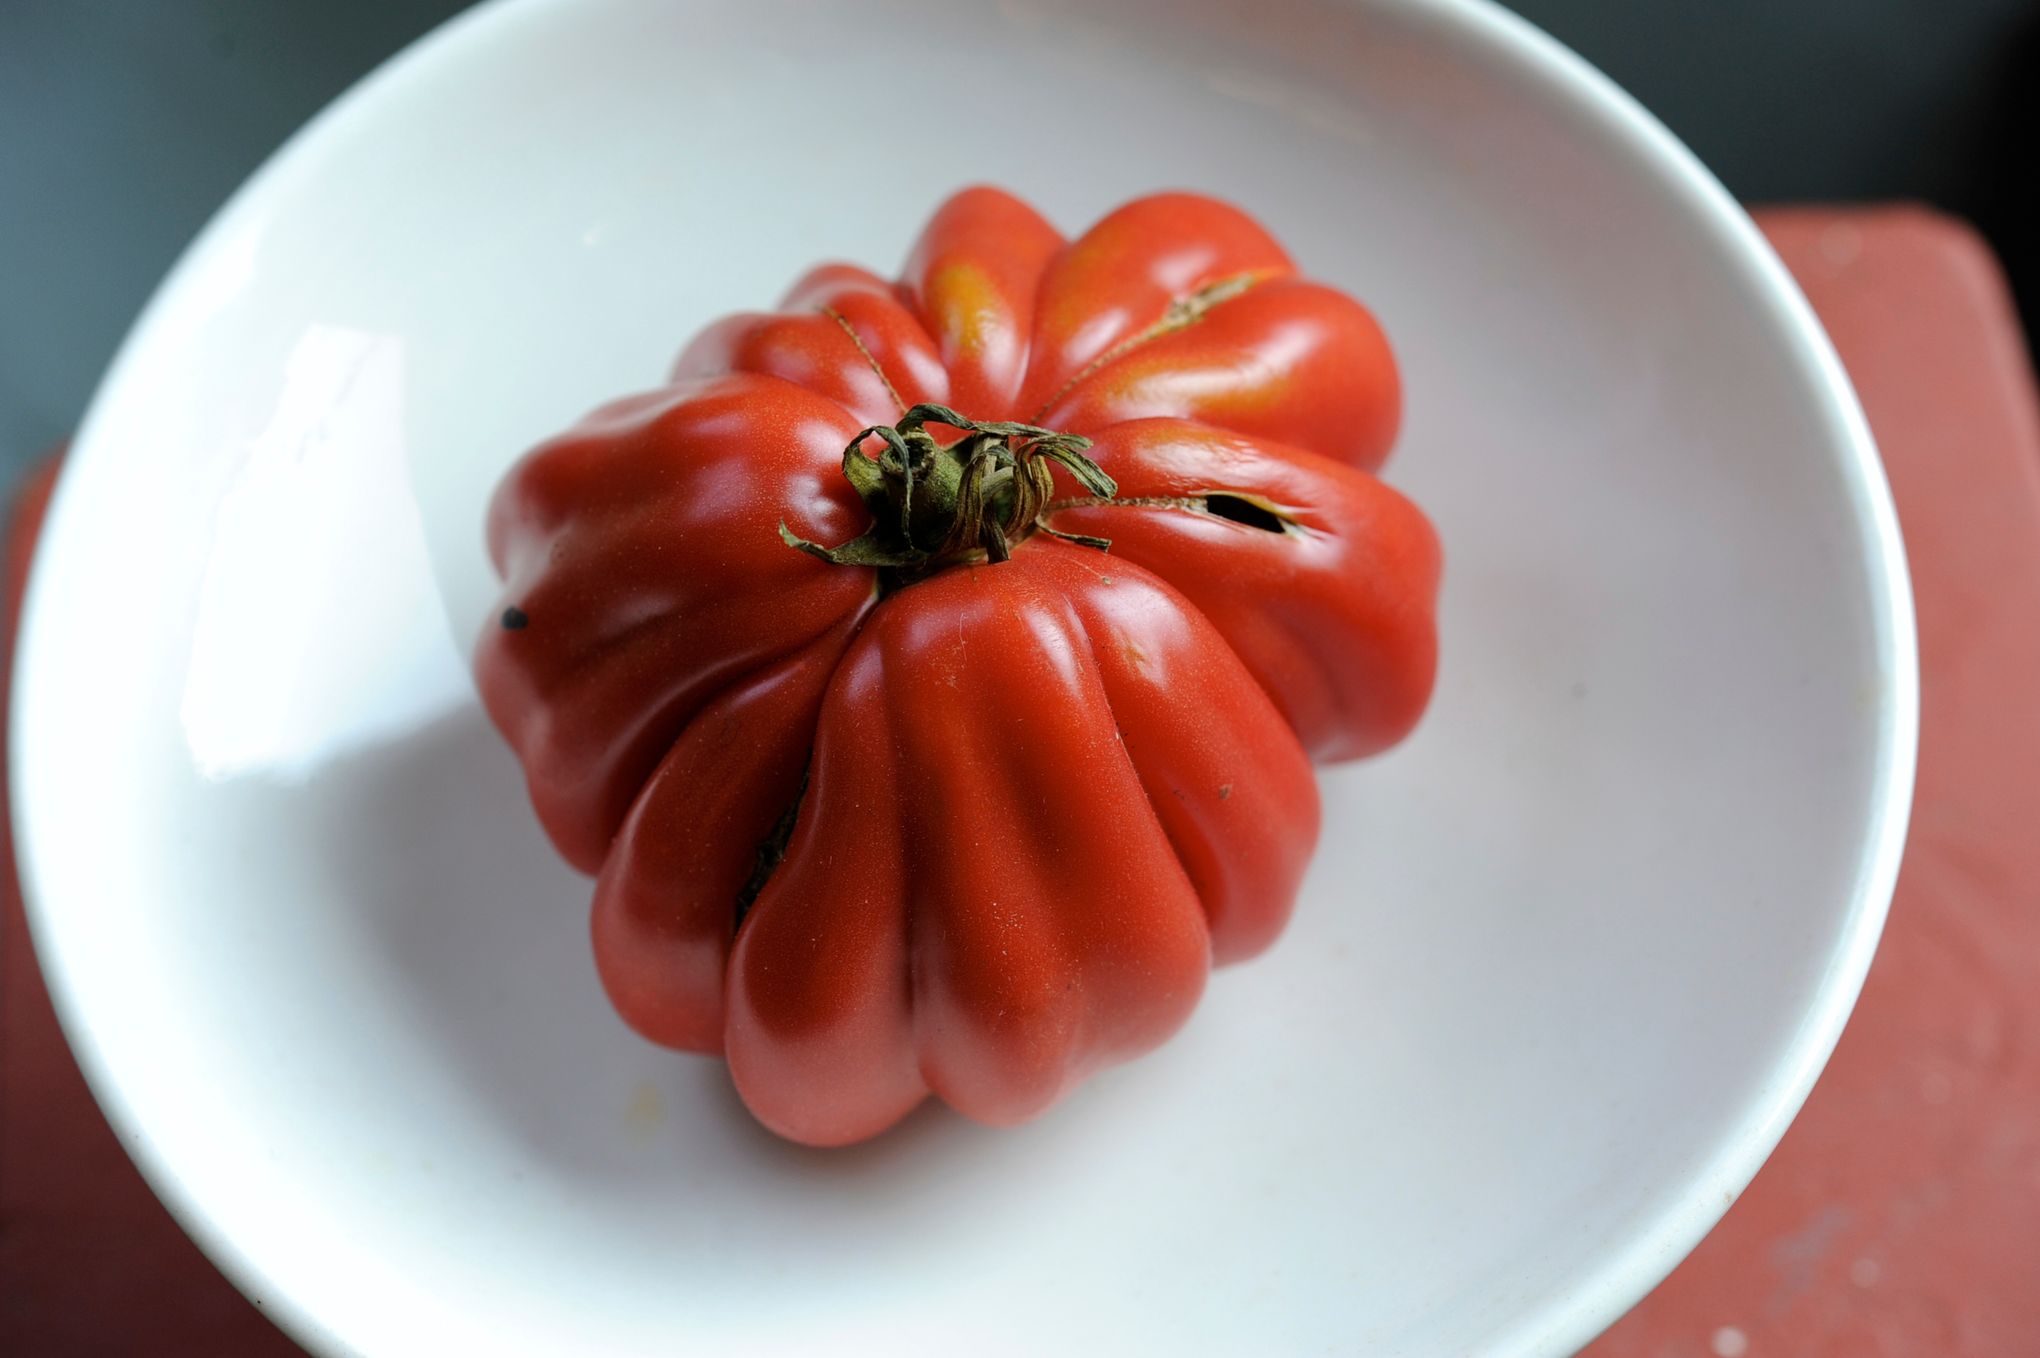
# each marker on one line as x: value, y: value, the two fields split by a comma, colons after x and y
x: 124, y: 123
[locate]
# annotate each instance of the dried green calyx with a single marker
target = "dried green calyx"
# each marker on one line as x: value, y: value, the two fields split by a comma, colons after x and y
x: 934, y: 504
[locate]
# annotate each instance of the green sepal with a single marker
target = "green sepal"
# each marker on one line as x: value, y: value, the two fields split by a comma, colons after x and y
x: 1081, y: 539
x: 873, y: 549
x: 1083, y: 468
x: 865, y: 476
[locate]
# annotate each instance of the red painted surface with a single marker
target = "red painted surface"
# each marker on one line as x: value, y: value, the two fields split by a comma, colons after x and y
x: 1901, y: 1216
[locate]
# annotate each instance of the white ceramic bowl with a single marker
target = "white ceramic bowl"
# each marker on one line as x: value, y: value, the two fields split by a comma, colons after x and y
x: 1566, y: 965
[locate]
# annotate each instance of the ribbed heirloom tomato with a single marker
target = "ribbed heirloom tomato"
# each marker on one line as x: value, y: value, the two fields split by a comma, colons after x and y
x: 895, y: 777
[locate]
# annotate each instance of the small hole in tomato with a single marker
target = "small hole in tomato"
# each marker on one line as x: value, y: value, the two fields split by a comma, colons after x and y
x: 1244, y: 511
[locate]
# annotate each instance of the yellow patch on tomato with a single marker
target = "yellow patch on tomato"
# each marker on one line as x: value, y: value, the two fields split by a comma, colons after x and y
x: 967, y: 303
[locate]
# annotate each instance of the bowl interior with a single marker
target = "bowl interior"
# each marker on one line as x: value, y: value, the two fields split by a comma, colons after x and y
x: 1566, y: 962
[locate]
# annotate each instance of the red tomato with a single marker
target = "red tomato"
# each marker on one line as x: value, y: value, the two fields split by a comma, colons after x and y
x: 956, y: 798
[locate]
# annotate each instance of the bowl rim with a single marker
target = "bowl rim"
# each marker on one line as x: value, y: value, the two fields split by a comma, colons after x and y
x: 1561, y: 1324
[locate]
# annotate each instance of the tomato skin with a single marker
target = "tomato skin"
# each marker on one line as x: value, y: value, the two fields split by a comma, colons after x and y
x: 982, y: 830
x: 1079, y: 850
x: 665, y: 905
x: 640, y: 550
x: 1289, y: 361
x: 1333, y: 617
x: 972, y: 280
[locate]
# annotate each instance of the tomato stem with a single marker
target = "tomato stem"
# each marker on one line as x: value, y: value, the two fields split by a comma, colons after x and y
x: 934, y: 504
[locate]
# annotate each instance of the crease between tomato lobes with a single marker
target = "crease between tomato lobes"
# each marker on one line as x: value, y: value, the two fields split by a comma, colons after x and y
x: 944, y: 825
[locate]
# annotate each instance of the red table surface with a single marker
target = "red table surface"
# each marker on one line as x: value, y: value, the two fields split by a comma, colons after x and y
x: 1901, y: 1214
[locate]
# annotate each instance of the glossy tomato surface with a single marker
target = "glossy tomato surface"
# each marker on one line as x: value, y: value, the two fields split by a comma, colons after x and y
x: 979, y: 828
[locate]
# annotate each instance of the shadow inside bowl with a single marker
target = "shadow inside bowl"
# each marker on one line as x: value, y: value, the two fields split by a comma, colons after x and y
x: 480, y: 934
